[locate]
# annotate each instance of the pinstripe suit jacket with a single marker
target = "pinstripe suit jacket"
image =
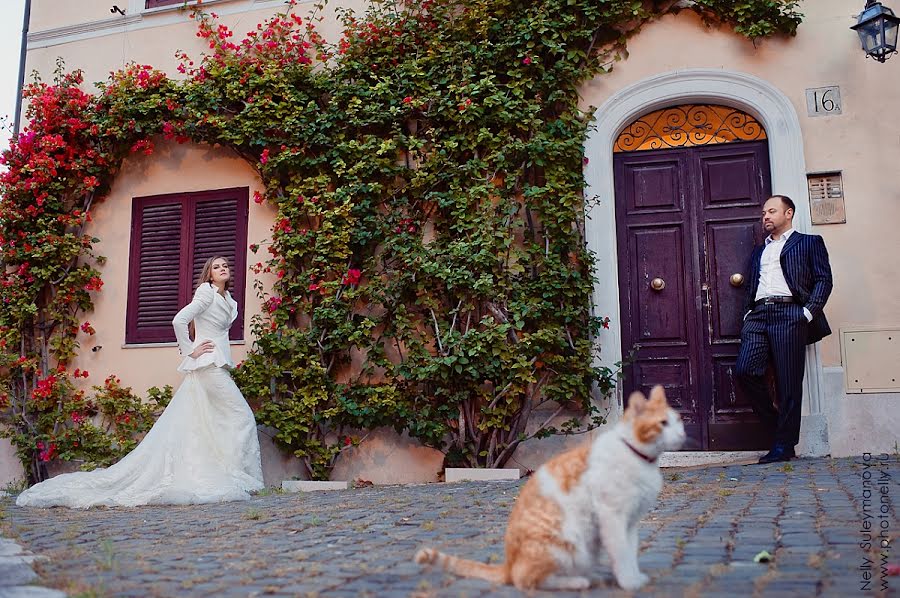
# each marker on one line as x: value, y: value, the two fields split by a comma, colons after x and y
x: 804, y: 262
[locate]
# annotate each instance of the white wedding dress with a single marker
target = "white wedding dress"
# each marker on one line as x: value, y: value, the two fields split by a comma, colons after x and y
x: 202, y: 449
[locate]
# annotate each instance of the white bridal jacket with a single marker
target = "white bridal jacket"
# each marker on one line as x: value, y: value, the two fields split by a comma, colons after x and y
x: 213, y: 315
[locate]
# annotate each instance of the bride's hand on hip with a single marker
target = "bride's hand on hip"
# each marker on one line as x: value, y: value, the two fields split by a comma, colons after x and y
x: 206, y: 346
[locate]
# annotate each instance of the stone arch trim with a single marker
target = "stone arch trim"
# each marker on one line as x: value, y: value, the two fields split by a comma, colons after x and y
x: 739, y: 90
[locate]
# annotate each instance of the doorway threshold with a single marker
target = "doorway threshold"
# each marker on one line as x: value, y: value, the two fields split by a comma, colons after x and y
x: 706, y: 458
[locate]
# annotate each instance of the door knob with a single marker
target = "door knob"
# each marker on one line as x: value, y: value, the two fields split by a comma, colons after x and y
x: 736, y: 280
x: 657, y: 284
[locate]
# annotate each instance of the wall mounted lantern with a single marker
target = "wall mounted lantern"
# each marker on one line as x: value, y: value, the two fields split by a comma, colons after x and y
x: 877, y: 28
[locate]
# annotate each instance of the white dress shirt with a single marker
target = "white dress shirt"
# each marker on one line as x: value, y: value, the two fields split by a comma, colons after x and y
x: 771, y: 278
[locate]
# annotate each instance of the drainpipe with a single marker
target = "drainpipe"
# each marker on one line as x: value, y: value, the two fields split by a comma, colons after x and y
x: 22, y: 54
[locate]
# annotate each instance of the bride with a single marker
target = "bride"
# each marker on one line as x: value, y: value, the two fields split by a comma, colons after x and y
x: 203, y: 448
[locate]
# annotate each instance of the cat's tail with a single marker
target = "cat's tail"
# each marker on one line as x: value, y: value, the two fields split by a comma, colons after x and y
x: 463, y: 567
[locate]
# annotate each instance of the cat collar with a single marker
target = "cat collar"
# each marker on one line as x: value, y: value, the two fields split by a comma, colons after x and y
x: 650, y: 460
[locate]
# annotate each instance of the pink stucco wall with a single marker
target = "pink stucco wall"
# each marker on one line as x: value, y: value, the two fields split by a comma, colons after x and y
x: 862, y: 142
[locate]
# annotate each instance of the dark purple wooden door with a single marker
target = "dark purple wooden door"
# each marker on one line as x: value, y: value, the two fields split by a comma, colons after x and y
x: 687, y: 220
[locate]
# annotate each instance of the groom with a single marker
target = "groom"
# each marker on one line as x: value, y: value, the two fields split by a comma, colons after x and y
x: 790, y: 281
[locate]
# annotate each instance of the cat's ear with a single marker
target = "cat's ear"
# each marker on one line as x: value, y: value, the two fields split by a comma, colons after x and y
x: 658, y: 396
x: 637, y: 402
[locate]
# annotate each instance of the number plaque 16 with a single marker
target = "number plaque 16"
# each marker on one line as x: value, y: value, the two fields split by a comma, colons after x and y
x: 823, y: 101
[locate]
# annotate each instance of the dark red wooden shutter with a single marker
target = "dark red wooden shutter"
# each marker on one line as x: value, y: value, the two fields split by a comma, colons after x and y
x: 154, y: 294
x: 220, y: 228
x: 172, y: 237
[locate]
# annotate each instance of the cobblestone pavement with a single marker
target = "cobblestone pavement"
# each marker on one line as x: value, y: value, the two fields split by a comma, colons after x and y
x: 700, y: 540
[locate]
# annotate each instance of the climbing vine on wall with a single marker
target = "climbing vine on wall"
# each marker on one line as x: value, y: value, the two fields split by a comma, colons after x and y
x: 428, y: 248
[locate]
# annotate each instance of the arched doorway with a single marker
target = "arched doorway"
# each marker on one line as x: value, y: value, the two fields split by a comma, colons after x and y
x: 690, y: 181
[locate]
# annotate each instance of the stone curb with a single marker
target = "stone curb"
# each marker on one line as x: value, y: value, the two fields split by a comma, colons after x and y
x: 312, y: 485
x: 464, y: 474
x: 16, y: 573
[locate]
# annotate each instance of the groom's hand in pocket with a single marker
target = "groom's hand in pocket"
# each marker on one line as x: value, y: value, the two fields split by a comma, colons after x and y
x: 206, y: 346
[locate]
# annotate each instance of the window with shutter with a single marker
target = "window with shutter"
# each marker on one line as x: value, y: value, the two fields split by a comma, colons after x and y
x: 172, y: 236
x: 155, y: 3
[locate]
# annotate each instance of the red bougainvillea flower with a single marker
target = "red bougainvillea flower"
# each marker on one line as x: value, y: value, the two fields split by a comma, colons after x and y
x: 407, y: 225
x: 48, y: 453
x: 273, y: 303
x: 44, y: 387
x: 352, y: 276
x: 264, y: 157
x: 144, y: 145
x: 87, y: 328
x: 526, y: 60
x: 283, y: 225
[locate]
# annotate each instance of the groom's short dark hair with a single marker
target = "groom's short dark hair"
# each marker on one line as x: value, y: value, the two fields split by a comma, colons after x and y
x: 787, y: 201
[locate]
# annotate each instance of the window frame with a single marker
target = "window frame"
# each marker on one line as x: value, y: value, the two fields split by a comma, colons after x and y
x: 151, y: 4
x: 188, y: 203
x: 148, y: 4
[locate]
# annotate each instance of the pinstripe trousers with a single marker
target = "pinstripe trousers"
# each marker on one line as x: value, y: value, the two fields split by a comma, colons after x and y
x: 774, y: 334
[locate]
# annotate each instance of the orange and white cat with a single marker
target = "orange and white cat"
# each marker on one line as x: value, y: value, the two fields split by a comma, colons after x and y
x: 589, y: 496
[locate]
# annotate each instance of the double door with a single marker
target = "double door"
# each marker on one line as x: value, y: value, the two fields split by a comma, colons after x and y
x: 687, y: 221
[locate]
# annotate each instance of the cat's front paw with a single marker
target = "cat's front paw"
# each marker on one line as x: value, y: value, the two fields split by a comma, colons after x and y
x: 633, y: 582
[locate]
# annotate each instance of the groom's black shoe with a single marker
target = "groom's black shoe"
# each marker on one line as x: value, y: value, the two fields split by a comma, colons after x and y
x: 777, y: 454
